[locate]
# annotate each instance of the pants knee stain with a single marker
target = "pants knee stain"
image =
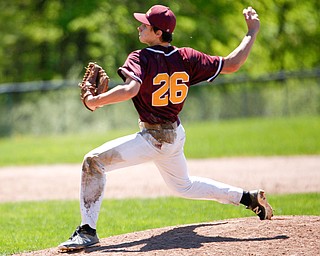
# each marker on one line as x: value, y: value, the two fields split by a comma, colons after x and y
x: 93, y: 179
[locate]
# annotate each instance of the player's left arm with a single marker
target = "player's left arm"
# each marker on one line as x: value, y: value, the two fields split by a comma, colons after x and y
x: 237, y: 58
x: 117, y: 94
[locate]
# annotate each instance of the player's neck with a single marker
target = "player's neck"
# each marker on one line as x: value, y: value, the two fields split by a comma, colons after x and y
x: 164, y: 44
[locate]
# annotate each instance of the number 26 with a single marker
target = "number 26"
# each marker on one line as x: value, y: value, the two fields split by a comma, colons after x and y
x: 177, y: 91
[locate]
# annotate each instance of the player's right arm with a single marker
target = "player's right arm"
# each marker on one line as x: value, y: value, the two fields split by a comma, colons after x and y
x: 237, y: 58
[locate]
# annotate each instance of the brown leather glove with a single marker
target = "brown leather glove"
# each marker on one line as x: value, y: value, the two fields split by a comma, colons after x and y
x: 95, y: 81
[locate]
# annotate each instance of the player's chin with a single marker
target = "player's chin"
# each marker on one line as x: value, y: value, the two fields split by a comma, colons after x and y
x: 141, y: 39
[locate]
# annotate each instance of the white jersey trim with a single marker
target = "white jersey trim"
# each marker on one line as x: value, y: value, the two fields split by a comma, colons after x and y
x: 217, y: 72
x: 162, y: 52
x: 127, y: 73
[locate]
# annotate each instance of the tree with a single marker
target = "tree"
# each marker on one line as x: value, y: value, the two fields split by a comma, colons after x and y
x: 54, y: 39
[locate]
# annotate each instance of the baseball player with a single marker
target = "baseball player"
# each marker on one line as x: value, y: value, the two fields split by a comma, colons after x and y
x: 157, y: 79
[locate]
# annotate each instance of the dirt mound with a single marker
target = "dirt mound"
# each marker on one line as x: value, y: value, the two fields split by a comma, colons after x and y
x: 284, y: 235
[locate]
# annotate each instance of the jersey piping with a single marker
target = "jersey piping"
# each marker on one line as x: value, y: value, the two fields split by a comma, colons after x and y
x: 127, y: 73
x: 218, y: 70
x: 165, y: 54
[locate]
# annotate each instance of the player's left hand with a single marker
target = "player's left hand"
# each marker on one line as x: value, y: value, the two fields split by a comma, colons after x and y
x: 95, y: 81
x: 252, y: 20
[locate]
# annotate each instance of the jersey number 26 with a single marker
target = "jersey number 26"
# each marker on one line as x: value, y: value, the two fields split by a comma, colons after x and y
x: 173, y: 89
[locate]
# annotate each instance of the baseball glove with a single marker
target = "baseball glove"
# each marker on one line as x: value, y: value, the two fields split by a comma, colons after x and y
x: 95, y: 81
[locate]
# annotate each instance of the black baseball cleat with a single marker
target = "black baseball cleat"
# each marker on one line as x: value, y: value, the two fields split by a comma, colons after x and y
x: 260, y: 205
x: 83, y: 237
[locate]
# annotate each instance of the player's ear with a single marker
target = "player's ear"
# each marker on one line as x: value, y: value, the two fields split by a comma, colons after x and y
x: 159, y: 33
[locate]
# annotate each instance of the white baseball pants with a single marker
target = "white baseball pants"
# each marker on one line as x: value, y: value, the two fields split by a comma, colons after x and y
x: 136, y: 149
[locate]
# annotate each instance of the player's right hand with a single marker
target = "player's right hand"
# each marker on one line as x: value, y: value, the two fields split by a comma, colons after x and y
x: 252, y: 20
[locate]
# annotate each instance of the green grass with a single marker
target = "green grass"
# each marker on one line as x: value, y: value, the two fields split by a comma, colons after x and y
x: 32, y: 226
x: 244, y: 137
x: 70, y: 148
x: 254, y: 137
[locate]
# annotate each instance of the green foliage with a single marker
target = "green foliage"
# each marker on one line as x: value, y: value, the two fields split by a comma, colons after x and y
x: 246, y: 137
x: 30, y: 226
x: 44, y: 40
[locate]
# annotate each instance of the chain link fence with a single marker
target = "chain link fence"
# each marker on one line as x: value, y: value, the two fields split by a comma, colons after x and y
x: 53, y: 107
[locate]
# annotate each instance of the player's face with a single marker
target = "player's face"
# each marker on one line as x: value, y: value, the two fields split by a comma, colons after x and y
x: 147, y: 35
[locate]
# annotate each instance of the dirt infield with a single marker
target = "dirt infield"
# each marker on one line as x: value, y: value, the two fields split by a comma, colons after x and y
x: 277, y: 175
x: 283, y: 235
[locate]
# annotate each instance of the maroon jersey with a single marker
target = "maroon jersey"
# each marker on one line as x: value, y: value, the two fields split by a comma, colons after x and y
x: 165, y: 74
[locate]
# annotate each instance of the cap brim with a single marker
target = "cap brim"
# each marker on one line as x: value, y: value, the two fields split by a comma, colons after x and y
x: 142, y: 18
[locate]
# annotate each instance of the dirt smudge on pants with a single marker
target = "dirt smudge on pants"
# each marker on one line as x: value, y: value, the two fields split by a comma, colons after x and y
x: 93, y: 175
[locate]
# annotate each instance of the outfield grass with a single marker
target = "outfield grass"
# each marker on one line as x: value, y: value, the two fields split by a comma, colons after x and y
x: 254, y: 137
x: 32, y: 226
x: 245, y: 137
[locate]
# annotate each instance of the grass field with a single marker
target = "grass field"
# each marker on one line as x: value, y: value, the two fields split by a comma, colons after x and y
x: 245, y: 137
x: 30, y: 226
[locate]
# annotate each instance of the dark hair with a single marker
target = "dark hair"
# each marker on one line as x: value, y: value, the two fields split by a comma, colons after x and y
x: 166, y: 36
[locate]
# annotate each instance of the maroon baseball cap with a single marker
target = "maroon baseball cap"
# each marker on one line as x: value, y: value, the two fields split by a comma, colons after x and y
x: 158, y: 16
